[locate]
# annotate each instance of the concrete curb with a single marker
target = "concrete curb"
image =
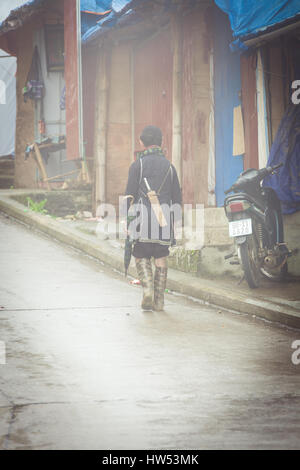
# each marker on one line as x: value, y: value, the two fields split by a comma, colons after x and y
x: 207, y: 290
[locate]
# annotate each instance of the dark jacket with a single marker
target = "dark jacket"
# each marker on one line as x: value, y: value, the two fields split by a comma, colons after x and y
x: 162, y: 178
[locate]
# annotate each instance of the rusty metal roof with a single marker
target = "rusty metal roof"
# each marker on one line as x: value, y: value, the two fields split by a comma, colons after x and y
x: 20, y: 15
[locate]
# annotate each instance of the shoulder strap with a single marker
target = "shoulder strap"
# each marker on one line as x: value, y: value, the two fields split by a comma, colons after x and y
x: 141, y: 176
x: 170, y: 169
x: 141, y: 170
x: 164, y: 180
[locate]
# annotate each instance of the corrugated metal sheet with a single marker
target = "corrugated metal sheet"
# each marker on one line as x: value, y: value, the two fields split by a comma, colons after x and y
x: 153, y: 70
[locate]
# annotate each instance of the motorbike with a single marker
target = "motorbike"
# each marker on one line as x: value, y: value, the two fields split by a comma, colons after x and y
x: 256, y: 225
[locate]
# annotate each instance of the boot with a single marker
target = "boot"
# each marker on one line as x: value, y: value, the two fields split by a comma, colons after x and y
x: 144, y: 269
x: 160, y: 282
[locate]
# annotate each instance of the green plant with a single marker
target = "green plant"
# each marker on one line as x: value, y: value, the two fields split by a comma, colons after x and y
x: 37, y: 206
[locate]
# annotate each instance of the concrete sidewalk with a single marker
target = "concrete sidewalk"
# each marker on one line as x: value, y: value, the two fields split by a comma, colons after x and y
x: 277, y: 302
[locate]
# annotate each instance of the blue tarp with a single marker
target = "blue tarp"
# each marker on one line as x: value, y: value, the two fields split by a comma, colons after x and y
x: 251, y: 17
x: 286, y: 150
x: 99, y: 6
x: 95, y: 6
x: 227, y: 86
x: 109, y: 21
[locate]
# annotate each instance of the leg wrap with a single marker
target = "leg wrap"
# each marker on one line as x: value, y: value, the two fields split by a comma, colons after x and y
x: 160, y: 282
x: 144, y: 270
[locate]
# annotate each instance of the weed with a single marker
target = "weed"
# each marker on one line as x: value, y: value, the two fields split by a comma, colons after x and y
x: 37, y: 206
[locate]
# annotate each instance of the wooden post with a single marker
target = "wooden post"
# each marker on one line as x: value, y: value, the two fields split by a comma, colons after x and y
x: 177, y: 94
x: 41, y: 166
x: 102, y: 98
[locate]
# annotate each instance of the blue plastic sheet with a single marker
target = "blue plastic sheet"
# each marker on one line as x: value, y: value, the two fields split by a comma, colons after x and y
x: 95, y: 6
x: 99, y: 6
x: 109, y: 21
x: 227, y: 86
x: 286, y: 150
x: 251, y: 17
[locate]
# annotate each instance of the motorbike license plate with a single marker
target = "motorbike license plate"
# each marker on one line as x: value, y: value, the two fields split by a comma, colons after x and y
x: 239, y: 228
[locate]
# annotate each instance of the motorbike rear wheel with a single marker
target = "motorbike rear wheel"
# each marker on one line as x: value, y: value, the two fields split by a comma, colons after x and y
x: 250, y: 261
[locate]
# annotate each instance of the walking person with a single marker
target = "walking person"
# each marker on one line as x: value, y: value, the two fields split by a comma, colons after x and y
x: 154, y: 189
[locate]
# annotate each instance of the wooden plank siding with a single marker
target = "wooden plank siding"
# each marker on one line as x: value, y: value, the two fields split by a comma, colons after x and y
x: 153, y: 69
x: 141, y: 93
x: 119, y: 148
x: 196, y: 108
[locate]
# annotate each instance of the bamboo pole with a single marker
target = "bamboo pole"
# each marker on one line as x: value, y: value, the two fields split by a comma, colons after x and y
x: 63, y: 175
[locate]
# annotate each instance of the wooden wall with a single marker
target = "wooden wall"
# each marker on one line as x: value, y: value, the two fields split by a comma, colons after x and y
x: 150, y: 75
x: 119, y: 147
x: 196, y: 108
x: 153, y: 68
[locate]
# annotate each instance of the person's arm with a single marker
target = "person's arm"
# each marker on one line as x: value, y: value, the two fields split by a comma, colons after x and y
x: 132, y: 187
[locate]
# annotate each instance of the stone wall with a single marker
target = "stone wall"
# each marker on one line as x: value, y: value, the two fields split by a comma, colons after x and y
x: 292, y: 237
x: 59, y: 203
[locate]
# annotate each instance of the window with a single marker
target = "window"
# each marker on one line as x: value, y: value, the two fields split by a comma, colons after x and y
x: 54, y: 37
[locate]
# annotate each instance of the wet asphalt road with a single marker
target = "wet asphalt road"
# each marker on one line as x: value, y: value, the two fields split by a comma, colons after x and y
x: 87, y: 369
